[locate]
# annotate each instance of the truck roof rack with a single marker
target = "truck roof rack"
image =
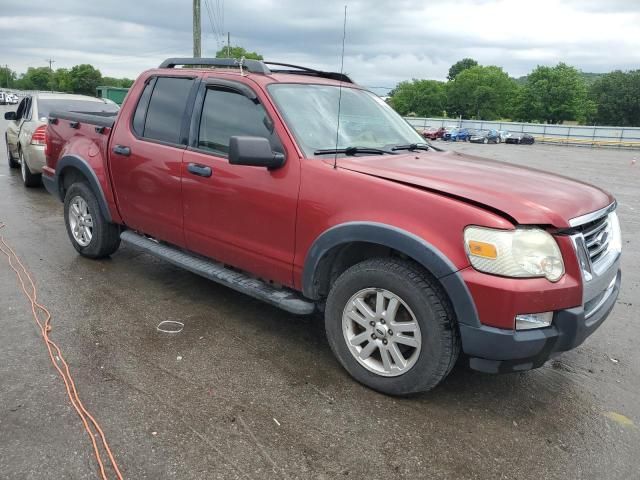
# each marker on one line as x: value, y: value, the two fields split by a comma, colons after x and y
x: 298, y: 70
x: 255, y: 66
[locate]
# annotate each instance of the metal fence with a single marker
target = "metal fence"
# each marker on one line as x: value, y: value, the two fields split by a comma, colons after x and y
x: 579, y: 135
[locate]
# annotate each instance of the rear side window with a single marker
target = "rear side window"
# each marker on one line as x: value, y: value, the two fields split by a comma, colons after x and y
x: 141, y: 110
x: 166, y: 109
x: 226, y: 113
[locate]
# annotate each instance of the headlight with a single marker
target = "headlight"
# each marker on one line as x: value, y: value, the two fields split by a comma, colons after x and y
x: 519, y: 253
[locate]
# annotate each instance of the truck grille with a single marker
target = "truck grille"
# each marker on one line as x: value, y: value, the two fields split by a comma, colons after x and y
x: 596, y: 237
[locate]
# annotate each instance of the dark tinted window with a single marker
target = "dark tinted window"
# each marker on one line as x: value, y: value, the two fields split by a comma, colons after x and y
x: 166, y: 109
x: 226, y: 113
x: 21, y: 108
x: 47, y: 105
x: 141, y: 109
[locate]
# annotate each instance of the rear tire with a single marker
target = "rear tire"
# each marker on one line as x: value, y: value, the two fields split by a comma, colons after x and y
x: 29, y: 179
x: 90, y: 234
x: 12, y: 163
x: 426, y: 334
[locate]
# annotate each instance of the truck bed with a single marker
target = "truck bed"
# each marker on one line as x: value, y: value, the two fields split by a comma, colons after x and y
x: 98, y: 119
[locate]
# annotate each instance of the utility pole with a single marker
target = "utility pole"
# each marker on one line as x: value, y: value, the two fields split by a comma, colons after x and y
x: 196, y: 29
x: 228, y: 44
x: 6, y: 67
x: 51, y: 62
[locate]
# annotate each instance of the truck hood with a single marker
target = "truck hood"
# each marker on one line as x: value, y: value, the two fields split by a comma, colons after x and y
x: 526, y: 195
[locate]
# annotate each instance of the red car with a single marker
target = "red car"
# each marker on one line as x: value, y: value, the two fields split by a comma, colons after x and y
x: 433, y: 133
x: 414, y: 256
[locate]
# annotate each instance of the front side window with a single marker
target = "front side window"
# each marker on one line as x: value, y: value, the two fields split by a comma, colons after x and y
x: 311, y: 112
x: 21, y: 108
x: 227, y: 113
x: 166, y: 109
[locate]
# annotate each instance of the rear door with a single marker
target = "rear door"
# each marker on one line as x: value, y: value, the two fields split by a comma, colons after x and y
x: 240, y: 215
x: 146, y: 157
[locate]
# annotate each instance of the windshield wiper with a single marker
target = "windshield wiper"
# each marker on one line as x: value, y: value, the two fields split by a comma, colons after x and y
x: 415, y: 146
x: 353, y: 151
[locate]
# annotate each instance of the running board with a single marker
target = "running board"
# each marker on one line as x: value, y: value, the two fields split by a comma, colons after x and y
x: 281, y: 298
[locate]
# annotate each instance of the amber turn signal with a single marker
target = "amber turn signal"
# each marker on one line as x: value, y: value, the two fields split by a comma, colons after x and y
x: 482, y: 249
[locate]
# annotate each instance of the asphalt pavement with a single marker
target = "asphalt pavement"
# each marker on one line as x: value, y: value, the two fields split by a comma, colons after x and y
x: 249, y: 391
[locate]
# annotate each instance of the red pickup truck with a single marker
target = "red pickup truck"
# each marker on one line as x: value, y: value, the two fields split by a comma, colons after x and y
x: 302, y: 189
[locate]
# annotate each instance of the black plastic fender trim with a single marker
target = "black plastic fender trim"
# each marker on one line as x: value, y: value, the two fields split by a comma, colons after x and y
x: 82, y: 165
x: 406, y: 242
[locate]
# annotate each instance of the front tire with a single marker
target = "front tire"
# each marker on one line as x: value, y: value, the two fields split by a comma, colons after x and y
x: 90, y: 234
x: 391, y: 327
x: 29, y: 179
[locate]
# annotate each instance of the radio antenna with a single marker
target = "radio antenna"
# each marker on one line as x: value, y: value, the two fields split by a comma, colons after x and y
x: 344, y: 34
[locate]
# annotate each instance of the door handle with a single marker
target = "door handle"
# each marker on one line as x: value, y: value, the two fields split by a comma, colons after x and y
x: 199, y: 170
x: 122, y: 150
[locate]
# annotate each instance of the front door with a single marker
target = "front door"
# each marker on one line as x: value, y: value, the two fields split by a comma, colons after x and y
x: 14, y: 126
x: 146, y: 158
x: 240, y: 215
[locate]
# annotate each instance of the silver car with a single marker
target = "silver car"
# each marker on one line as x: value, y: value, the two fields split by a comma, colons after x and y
x: 25, y: 135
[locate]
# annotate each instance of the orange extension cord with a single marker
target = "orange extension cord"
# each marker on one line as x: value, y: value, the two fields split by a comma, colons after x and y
x: 45, y: 329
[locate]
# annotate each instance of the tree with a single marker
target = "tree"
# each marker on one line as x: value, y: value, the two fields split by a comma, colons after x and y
x: 459, y: 66
x: 7, y: 77
x: 553, y: 95
x: 61, y: 80
x: 484, y: 93
x: 237, y: 52
x: 35, y: 78
x: 424, y: 98
x: 84, y: 79
x: 616, y: 97
x: 116, y: 82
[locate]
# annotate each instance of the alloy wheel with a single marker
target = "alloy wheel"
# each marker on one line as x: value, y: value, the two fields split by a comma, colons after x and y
x: 381, y: 332
x: 80, y: 221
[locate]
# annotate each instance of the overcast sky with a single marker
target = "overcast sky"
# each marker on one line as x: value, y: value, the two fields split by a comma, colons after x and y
x: 387, y: 41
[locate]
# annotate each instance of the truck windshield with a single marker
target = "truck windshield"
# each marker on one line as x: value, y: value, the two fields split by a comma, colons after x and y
x: 366, y: 121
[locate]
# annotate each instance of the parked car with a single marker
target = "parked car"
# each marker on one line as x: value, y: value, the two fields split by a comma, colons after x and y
x: 520, y: 138
x: 433, y: 133
x: 11, y: 99
x: 463, y: 135
x: 26, y: 133
x: 455, y: 134
x: 3, y: 98
x: 448, y: 131
x: 504, y: 134
x: 236, y: 176
x: 485, y: 136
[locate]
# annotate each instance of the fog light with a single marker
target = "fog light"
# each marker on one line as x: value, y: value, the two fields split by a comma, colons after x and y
x: 528, y: 321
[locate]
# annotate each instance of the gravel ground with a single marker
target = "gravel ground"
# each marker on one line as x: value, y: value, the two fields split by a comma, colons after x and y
x: 248, y: 391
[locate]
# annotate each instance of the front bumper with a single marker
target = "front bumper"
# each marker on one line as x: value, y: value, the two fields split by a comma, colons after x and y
x: 496, y: 350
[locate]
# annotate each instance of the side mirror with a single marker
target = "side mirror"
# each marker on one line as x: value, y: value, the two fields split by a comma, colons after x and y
x: 254, y: 151
x: 10, y: 116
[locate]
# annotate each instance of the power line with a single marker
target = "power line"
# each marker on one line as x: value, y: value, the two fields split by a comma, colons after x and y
x: 214, y: 29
